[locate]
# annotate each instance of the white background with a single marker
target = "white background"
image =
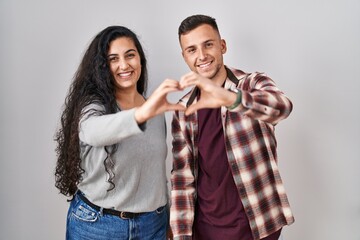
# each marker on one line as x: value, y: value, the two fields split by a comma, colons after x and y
x: 309, y: 47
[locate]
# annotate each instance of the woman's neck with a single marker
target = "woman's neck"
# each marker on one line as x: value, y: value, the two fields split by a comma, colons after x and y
x: 129, y: 99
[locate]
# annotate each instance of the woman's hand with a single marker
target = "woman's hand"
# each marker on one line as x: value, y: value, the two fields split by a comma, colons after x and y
x: 157, y: 103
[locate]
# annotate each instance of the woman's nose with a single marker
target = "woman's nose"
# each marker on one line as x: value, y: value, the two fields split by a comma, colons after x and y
x: 123, y: 65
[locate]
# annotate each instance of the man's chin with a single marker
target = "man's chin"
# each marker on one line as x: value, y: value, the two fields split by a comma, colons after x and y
x: 206, y: 74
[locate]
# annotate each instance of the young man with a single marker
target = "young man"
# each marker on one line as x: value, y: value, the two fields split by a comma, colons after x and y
x: 225, y: 178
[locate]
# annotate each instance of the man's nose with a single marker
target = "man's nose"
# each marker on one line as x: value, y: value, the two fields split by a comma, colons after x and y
x: 202, y: 54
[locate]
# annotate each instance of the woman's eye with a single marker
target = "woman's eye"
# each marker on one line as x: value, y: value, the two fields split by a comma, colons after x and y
x: 113, y: 59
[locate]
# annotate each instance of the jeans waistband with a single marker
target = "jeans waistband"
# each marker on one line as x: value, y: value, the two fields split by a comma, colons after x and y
x: 123, y: 215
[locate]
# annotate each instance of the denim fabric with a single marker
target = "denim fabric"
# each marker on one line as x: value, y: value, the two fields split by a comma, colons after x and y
x: 85, y: 223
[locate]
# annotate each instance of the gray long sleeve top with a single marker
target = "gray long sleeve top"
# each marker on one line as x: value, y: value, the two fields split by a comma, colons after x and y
x: 140, y: 171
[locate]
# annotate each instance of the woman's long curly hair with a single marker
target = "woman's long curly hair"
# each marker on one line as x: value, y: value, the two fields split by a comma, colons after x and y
x: 93, y: 83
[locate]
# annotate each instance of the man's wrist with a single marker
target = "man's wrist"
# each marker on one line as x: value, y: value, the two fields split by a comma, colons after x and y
x: 237, y: 101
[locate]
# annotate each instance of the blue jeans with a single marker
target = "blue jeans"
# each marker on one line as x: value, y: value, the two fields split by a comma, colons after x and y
x: 85, y: 223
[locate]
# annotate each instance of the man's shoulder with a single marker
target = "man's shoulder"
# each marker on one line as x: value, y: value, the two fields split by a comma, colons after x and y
x: 237, y: 72
x: 240, y: 73
x: 247, y: 78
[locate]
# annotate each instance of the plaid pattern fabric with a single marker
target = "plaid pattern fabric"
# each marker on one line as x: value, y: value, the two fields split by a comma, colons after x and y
x: 251, y: 151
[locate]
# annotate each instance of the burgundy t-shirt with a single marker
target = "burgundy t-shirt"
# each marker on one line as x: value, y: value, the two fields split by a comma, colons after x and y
x: 219, y: 213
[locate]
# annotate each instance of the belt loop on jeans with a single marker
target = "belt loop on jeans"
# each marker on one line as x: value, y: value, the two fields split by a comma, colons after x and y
x: 101, y: 211
x: 123, y: 215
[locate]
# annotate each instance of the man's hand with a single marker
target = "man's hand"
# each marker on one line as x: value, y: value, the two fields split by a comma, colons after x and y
x: 211, y: 95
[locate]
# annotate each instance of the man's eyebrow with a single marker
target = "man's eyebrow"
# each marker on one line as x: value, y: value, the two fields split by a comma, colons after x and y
x: 210, y: 40
x: 207, y: 41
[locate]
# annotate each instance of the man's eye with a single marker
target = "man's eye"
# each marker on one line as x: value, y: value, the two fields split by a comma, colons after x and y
x: 209, y: 44
x: 191, y: 50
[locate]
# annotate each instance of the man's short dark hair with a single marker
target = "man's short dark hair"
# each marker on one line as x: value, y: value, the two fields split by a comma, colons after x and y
x: 195, y: 21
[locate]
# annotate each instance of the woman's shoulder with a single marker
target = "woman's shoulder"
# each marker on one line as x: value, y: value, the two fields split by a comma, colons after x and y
x: 94, y: 106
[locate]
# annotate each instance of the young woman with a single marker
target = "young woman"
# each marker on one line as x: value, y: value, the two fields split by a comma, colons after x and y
x: 112, y: 144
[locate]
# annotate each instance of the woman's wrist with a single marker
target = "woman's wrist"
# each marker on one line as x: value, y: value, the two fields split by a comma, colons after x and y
x: 139, y: 116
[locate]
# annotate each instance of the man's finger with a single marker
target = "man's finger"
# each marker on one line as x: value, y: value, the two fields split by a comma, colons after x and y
x: 178, y: 107
x: 193, y: 108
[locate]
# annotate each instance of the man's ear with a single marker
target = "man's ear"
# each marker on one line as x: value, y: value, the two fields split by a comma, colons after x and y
x: 223, y: 46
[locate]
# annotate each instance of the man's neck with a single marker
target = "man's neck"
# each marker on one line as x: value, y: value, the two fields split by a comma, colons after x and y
x: 220, y: 77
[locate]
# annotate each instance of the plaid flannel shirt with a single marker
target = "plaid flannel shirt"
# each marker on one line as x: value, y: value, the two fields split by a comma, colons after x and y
x: 251, y: 152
